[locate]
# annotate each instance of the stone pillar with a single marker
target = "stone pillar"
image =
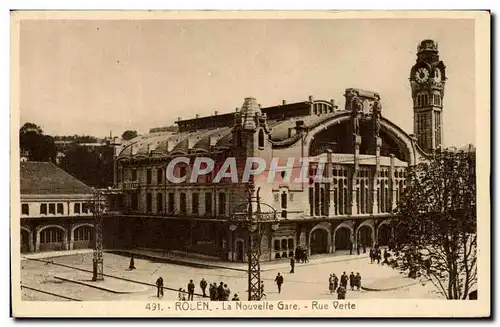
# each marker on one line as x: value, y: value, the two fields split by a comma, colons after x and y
x: 190, y: 240
x: 329, y: 183
x: 375, y: 188
x: 393, y: 186
x: 230, y: 241
x: 354, y: 186
x: 376, y: 224
x: 37, y: 238
x: 71, y: 238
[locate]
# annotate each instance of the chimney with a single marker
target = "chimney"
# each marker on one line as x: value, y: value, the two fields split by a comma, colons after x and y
x: 216, y: 112
x: 178, y: 118
x: 197, y: 116
x: 311, y: 98
x: 334, y: 106
x: 284, y: 102
x: 237, y: 109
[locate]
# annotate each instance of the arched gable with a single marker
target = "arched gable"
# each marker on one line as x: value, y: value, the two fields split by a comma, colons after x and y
x: 403, y: 140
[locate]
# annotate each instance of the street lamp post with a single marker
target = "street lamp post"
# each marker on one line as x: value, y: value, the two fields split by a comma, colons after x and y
x: 253, y: 221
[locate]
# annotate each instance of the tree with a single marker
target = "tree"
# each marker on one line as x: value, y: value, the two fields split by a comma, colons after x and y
x: 40, y: 147
x: 128, y: 135
x: 93, y: 166
x: 436, y: 238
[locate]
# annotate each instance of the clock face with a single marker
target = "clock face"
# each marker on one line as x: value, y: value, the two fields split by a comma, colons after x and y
x: 422, y: 75
x: 437, y: 75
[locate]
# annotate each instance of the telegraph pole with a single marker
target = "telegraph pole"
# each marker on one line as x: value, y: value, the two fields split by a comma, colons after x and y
x: 253, y: 222
x: 98, y: 273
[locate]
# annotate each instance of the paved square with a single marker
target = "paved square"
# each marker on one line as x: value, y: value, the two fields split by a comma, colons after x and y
x: 307, y: 283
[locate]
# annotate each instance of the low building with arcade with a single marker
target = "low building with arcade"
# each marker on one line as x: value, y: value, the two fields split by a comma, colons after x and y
x: 55, y: 209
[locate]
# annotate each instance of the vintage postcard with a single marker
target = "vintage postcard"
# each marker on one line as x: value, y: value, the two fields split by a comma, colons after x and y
x: 250, y: 164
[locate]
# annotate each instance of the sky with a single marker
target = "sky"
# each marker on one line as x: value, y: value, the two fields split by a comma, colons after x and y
x: 94, y: 77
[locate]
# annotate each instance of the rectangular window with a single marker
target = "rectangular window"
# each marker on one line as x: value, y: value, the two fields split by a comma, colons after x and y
x: 182, y: 203
x: 85, y: 208
x: 195, y: 203
x: 208, y: 203
x: 25, y: 209
x: 60, y: 208
x: 222, y: 203
x: 159, y: 176
x: 134, y: 175
x: 311, y: 201
x: 283, y: 200
x: 171, y: 204
x: 149, y: 202
x: 148, y: 176
x: 159, y: 202
x: 76, y: 208
x: 52, y: 208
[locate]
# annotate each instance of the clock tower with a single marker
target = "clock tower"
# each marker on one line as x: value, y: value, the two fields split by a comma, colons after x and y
x: 427, y: 79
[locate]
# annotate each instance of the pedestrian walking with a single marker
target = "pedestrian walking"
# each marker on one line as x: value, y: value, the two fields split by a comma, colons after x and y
x: 372, y: 255
x: 335, y: 282
x: 330, y: 284
x: 341, y: 293
x: 179, y: 295
x: 131, y: 266
x: 386, y: 257
x: 343, y: 280
x: 379, y: 255
x: 292, y: 264
x: 159, y: 287
x: 220, y: 292
x: 203, y: 286
x: 352, y: 280
x: 358, y: 248
x: 358, y: 281
x: 350, y: 247
x: 262, y: 293
x: 364, y: 248
x: 190, y: 290
x: 279, y: 281
x: 212, y: 291
x: 227, y: 292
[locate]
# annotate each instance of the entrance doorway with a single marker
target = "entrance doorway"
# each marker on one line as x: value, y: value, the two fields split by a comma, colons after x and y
x: 384, y: 234
x: 25, y: 241
x: 343, y: 238
x: 365, y: 236
x: 319, y: 241
x: 240, y: 253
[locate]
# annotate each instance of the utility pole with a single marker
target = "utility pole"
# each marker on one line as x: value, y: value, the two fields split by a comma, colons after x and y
x: 98, y: 273
x: 253, y: 222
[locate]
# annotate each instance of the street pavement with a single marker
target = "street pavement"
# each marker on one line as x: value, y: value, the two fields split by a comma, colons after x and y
x: 309, y: 282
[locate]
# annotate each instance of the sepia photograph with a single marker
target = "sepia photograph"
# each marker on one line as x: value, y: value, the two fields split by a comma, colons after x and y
x: 257, y: 164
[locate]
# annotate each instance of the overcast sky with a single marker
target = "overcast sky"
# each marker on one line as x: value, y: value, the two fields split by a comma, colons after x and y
x: 93, y: 77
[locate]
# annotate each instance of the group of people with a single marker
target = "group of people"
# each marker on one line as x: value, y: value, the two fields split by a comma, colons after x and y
x: 376, y: 255
x: 341, y: 288
x: 216, y: 292
x: 301, y: 254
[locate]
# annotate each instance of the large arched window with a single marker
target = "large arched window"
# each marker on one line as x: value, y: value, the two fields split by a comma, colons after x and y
x: 51, y: 235
x: 83, y: 233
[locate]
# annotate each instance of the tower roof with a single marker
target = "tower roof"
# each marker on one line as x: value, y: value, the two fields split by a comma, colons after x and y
x: 250, y: 107
x: 427, y: 45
